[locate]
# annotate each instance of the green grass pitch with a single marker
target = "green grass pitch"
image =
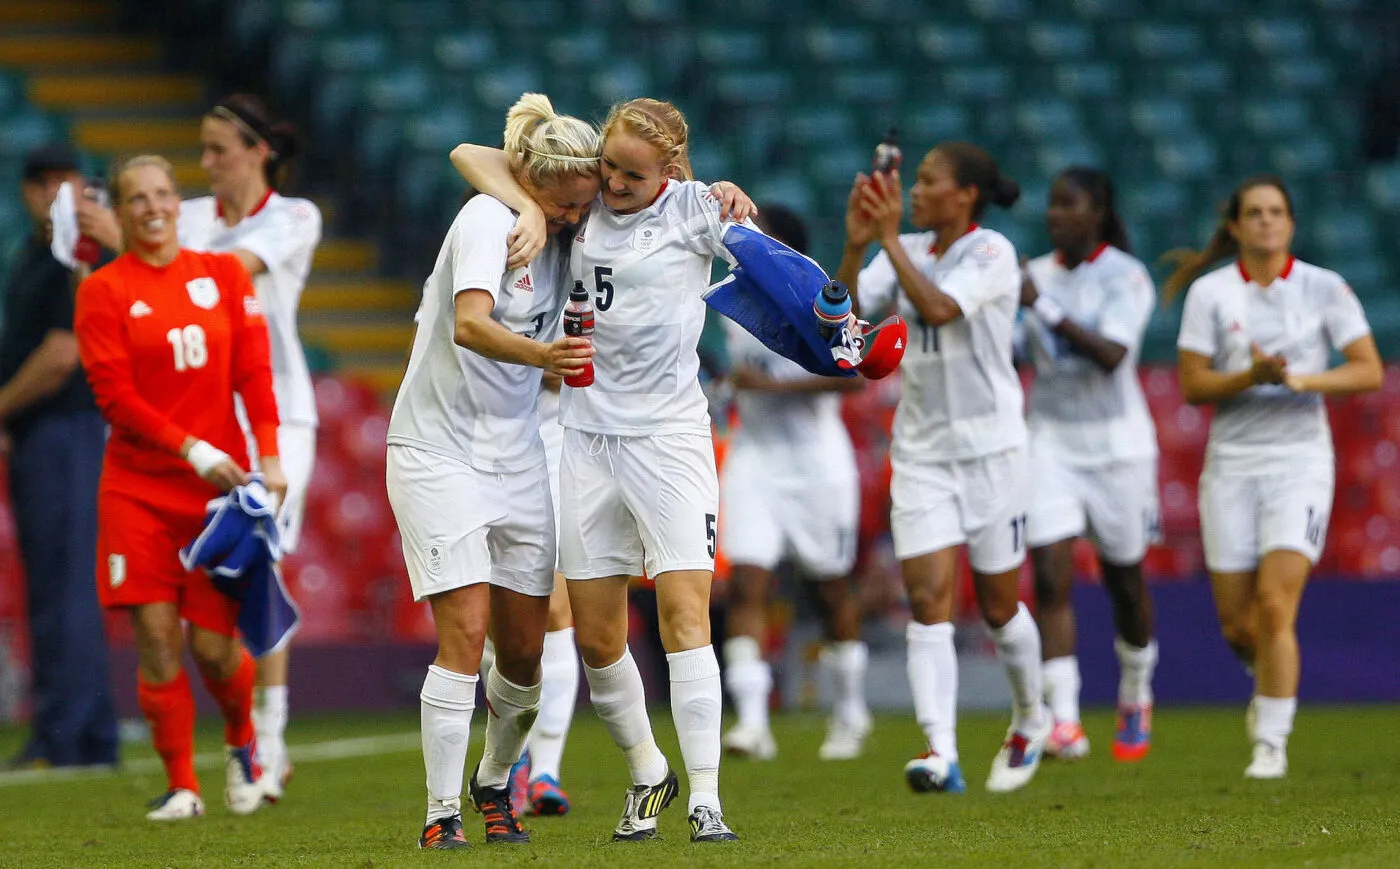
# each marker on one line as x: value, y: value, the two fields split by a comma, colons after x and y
x: 1186, y: 804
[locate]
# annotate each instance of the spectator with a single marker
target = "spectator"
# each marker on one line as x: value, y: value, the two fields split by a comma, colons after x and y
x: 56, y: 442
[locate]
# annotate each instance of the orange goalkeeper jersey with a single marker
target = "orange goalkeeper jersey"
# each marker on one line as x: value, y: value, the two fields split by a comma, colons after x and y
x: 165, y: 349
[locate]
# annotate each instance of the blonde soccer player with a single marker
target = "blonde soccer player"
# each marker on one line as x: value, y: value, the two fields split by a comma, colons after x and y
x: 1256, y: 336
x: 467, y: 476
x: 1093, y: 450
x: 638, y: 488
x: 959, y: 441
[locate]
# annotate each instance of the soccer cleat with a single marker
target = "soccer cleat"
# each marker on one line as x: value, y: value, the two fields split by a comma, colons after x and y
x: 932, y: 773
x: 755, y: 743
x: 276, y: 772
x: 518, y: 781
x: 502, y: 824
x: 1068, y: 741
x: 178, y: 805
x: 444, y: 834
x: 243, y: 787
x: 1019, y: 758
x: 640, y: 807
x: 844, y: 741
x: 547, y: 798
x: 1269, y: 762
x: 707, y: 825
x: 1132, y: 739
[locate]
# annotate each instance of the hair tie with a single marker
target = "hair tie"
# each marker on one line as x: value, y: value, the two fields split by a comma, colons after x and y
x: 567, y: 158
x: 243, y: 126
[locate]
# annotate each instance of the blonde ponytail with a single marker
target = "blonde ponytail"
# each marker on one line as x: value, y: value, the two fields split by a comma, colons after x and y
x: 544, y: 146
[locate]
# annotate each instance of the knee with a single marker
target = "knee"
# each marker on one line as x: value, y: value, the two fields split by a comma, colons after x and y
x: 217, y: 657
x: 748, y: 588
x: 598, y: 649
x: 1052, y: 593
x: 1274, y: 615
x: 160, y: 663
x: 927, y: 605
x: 684, y: 628
x: 997, y: 611
x: 519, y: 657
x: 1237, y: 630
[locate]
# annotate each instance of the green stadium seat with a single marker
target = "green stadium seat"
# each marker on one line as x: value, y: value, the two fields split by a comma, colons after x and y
x: 1161, y: 117
x: 1276, y: 117
x: 1383, y: 187
x: 1309, y: 156
x: 1311, y: 75
x: 654, y: 11
x: 710, y: 163
x: 524, y: 15
x: 400, y: 89
x: 20, y: 133
x: 1048, y: 119
x: 313, y: 15
x: 1060, y: 40
x: 753, y: 86
x: 1280, y: 37
x: 977, y: 83
x: 499, y: 86
x: 1099, y: 10
x: 727, y: 46
x: 999, y: 10
x: 868, y: 85
x: 1152, y: 197
x: 744, y: 11
x: 790, y: 189
x: 935, y: 122
x: 835, y: 166
x: 957, y: 42
x: 833, y: 44
x: 620, y: 80
x: 354, y: 52
x: 465, y: 50
x: 815, y: 125
x: 1186, y: 157
x: 887, y: 11
x: 575, y: 47
x: 1201, y: 77
x: 1344, y: 234
x: 1158, y: 40
x: 1055, y: 156
x: 1094, y: 80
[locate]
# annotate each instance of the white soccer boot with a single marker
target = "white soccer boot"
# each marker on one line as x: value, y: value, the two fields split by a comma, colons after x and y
x: 755, y: 743
x: 1269, y: 762
x: 1020, y: 755
x: 243, y: 788
x: 180, y: 804
x: 844, y: 740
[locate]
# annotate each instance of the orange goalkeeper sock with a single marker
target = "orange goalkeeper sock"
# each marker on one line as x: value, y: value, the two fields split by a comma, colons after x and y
x: 235, y: 698
x: 169, y: 707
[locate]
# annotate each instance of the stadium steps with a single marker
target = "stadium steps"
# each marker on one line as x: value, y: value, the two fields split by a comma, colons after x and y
x: 119, y: 101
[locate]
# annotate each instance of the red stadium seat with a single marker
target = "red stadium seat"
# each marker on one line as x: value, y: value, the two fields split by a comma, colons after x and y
x: 320, y: 590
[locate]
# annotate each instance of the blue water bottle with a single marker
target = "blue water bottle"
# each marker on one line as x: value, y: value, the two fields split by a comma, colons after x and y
x: 832, y: 306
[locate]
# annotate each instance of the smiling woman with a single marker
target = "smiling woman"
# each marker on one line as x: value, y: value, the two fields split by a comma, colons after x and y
x: 167, y: 337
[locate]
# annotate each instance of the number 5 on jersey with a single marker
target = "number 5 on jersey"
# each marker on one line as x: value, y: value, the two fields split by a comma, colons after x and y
x: 191, y: 350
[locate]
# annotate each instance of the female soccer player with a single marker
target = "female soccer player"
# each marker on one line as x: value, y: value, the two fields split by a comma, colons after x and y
x: 638, y: 482
x: 246, y: 155
x: 167, y: 337
x: 1093, y: 450
x: 958, y: 445
x: 466, y: 467
x: 1255, y: 339
x: 774, y: 504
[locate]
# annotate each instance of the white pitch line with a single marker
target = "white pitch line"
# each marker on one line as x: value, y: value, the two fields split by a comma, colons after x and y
x: 333, y: 749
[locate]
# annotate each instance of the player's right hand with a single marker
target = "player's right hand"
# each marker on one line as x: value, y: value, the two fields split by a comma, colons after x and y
x: 568, y: 356
x: 99, y: 223
x: 526, y: 238
x: 226, y: 475
x: 1266, y: 368
x: 860, y: 229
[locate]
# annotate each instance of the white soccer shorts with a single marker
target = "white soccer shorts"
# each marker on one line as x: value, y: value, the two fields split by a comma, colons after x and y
x: 1117, y: 504
x: 764, y: 518
x: 461, y: 526
x: 634, y: 503
x: 1246, y: 516
x: 980, y: 502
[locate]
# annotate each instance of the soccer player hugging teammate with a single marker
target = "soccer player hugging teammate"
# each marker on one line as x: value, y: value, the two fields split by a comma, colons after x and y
x: 638, y: 483
x: 167, y: 337
x: 467, y: 476
x: 1255, y: 339
x: 246, y: 155
x: 773, y: 506
x: 959, y: 440
x: 1093, y: 450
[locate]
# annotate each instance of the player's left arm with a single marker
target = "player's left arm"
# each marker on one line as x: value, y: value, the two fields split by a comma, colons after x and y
x: 1345, y: 323
x: 1121, y: 325
x: 288, y: 239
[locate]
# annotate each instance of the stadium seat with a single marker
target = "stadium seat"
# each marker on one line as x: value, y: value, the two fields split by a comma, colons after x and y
x: 1048, y: 120
x: 618, y: 80
x: 727, y: 46
x: 1279, y: 37
x: 930, y: 123
x: 1156, y: 40
x: 952, y: 43
x: 465, y: 50
x: 742, y: 87
x: 1277, y: 117
x: 1060, y: 40
x: 978, y: 82
x: 1161, y: 117
x: 1093, y: 80
x: 1383, y: 186
x: 999, y: 10
x: 498, y: 87
x: 1310, y: 156
x: 1187, y: 158
x: 835, y: 45
x: 21, y: 133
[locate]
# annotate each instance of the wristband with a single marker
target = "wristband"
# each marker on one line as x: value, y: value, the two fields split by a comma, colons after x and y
x: 1049, y: 311
x: 205, y: 457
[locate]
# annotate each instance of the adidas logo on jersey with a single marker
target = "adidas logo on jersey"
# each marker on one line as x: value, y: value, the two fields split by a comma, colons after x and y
x: 140, y: 309
x: 525, y: 284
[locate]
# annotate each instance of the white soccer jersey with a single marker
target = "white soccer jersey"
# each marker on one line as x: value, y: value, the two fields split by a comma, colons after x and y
x: 1077, y: 411
x: 796, y: 432
x: 1302, y: 315
x: 458, y: 403
x: 960, y: 394
x: 283, y: 233
x: 648, y: 273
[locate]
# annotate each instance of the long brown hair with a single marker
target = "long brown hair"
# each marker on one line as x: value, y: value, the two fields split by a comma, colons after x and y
x: 1190, y: 263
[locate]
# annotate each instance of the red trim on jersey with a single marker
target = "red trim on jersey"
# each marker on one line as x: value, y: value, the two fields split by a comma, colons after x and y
x: 219, y: 206
x: 1283, y: 275
x: 934, y: 245
x: 665, y: 182
x: 1098, y: 251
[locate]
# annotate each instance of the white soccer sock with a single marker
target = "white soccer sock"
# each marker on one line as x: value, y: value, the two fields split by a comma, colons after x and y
x: 1274, y: 719
x: 933, y: 678
x: 1135, y: 668
x: 510, y: 713
x: 619, y: 698
x: 445, y: 709
x: 270, y: 721
x: 697, y: 704
x: 1062, y: 687
x: 749, y: 679
x: 1018, y: 646
x: 558, y: 691
x: 848, y: 661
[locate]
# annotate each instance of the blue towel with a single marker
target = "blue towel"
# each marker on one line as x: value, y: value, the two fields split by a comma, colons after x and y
x: 769, y: 292
x: 239, y: 547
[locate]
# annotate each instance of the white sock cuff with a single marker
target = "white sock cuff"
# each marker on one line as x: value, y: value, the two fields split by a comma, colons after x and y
x: 1013, y: 629
x: 693, y: 665
x: 1068, y: 663
x: 1143, y: 656
x: 606, y: 677
x: 741, y: 650
x: 919, y: 632
x: 271, y: 697
x: 446, y: 689
x: 521, y: 696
